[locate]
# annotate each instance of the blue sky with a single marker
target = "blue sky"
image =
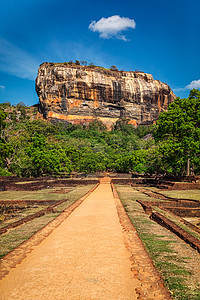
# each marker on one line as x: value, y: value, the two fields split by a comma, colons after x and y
x: 157, y: 37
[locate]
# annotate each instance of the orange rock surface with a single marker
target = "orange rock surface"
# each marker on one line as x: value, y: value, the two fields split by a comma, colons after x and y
x: 69, y: 90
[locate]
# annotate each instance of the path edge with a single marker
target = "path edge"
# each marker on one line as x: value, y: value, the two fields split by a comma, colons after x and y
x: 150, y: 285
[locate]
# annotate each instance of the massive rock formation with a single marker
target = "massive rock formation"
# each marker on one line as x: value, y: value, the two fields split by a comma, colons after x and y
x: 78, y: 94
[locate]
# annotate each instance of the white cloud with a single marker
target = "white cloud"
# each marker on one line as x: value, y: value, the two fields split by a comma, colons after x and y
x: 195, y: 84
x: 2, y: 86
x: 112, y: 27
x: 16, y: 61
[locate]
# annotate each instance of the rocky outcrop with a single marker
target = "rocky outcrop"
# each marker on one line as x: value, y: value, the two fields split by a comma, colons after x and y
x: 78, y: 93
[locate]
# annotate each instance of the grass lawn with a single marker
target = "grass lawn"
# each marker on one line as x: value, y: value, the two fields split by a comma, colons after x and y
x: 141, y: 196
x: 45, y: 194
x: 21, y: 213
x: 184, y: 194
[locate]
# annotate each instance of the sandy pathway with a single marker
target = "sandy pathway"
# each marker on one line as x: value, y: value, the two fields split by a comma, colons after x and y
x: 83, y: 258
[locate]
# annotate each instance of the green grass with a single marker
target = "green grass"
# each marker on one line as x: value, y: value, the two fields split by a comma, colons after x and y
x: 176, y: 261
x: 22, y: 213
x: 18, y: 235
x: 183, y: 194
x: 153, y: 189
x: 136, y: 195
x: 45, y: 194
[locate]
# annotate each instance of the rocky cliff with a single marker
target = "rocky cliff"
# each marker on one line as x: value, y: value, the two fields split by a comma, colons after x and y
x: 78, y: 94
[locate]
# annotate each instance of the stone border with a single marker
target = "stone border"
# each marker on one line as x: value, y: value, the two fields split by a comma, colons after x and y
x: 26, y: 202
x: 152, y: 285
x: 187, y: 237
x: 181, y: 186
x: 158, y: 182
x: 17, y: 255
x: 160, y: 196
x: 171, y: 204
x: 135, y: 181
x: 193, y: 227
x: 35, y: 185
x: 170, y: 225
x: 26, y: 219
x: 184, y: 211
x: 147, y: 206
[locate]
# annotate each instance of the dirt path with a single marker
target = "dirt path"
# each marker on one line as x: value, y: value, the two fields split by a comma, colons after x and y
x: 83, y: 258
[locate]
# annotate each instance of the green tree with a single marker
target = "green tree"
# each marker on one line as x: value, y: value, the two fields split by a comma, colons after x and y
x: 92, y: 162
x: 178, y: 135
x: 3, y: 147
x: 97, y: 125
x: 3, y: 116
x: 138, y: 161
x: 46, y: 157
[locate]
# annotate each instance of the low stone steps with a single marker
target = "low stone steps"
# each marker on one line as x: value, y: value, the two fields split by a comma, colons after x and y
x: 105, y: 180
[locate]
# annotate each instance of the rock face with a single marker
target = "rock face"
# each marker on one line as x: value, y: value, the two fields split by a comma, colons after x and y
x: 78, y: 94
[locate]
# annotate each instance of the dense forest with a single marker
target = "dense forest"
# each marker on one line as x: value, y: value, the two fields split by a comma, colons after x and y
x: 32, y: 148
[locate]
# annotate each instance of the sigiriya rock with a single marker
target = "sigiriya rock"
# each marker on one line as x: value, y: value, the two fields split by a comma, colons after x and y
x: 78, y: 94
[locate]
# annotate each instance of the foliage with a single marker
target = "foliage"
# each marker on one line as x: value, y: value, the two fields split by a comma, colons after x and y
x: 36, y: 148
x: 4, y: 105
x: 3, y: 146
x: 4, y: 172
x: 178, y: 135
x: 3, y: 116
